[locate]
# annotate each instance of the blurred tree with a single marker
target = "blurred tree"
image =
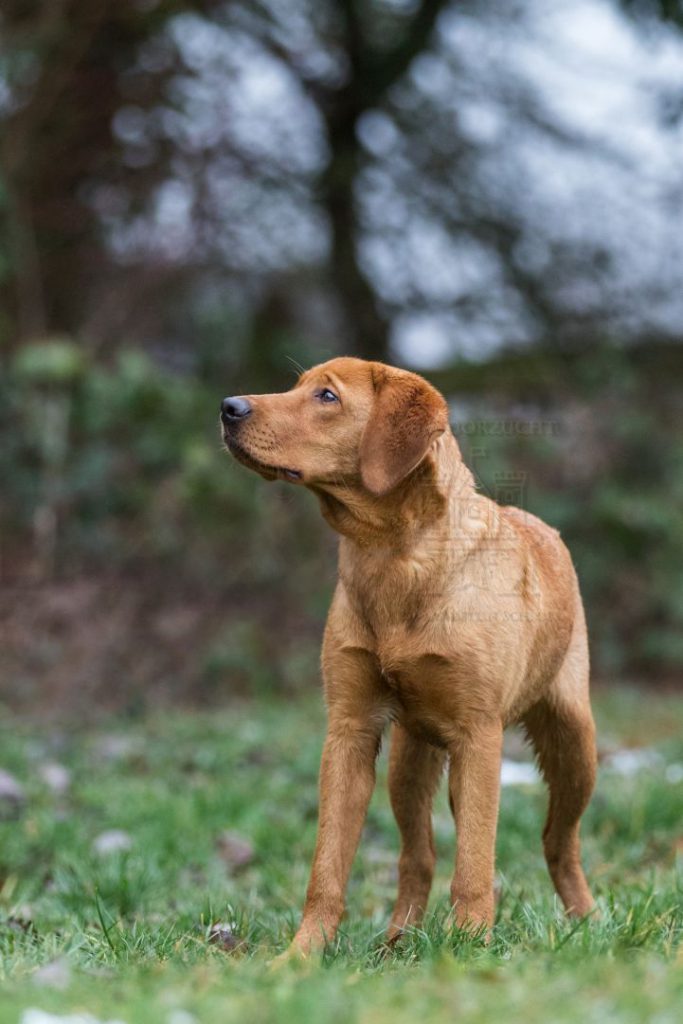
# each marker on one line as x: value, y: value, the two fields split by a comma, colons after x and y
x: 232, y: 182
x: 378, y: 56
x: 373, y: 46
x: 73, y: 67
x: 65, y: 73
x: 669, y: 10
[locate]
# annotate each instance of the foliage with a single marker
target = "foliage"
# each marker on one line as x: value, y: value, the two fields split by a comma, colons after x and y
x: 127, y: 933
x: 141, y: 467
x: 119, y: 504
x: 115, y: 476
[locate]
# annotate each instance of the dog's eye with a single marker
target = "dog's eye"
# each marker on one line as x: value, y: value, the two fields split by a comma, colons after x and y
x: 327, y: 396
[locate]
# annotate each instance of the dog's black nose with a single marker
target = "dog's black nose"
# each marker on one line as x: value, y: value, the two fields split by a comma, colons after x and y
x: 233, y: 409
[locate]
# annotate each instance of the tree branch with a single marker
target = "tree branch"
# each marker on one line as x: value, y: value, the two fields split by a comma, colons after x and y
x: 384, y: 71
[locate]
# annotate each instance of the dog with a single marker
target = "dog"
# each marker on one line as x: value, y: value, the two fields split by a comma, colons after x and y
x: 452, y: 618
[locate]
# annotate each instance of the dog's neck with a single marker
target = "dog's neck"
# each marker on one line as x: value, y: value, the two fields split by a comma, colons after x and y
x: 398, y: 520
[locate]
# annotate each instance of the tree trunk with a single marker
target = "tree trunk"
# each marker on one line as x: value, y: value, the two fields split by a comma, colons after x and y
x: 366, y: 331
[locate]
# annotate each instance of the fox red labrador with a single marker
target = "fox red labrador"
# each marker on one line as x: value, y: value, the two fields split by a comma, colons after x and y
x: 452, y: 618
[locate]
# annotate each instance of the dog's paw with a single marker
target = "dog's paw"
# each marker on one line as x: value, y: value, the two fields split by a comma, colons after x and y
x: 294, y: 954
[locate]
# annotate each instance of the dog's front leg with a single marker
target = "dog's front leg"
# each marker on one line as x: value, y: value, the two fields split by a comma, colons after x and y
x: 347, y: 779
x: 356, y: 709
x: 474, y: 784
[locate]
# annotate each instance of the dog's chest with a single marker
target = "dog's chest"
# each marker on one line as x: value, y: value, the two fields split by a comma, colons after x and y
x: 404, y: 612
x: 395, y: 599
x: 438, y: 643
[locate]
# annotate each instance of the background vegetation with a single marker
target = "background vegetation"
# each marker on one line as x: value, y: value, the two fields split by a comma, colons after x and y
x: 196, y: 197
x: 140, y: 564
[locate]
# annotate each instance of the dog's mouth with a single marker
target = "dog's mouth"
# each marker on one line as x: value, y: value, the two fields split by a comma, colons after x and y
x: 251, y: 462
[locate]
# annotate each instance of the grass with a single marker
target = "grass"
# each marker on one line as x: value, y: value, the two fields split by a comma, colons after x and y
x: 126, y: 935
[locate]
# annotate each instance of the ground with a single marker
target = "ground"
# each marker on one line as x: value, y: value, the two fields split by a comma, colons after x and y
x: 151, y: 869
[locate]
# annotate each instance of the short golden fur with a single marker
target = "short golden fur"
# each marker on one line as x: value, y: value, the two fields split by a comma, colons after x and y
x: 452, y: 618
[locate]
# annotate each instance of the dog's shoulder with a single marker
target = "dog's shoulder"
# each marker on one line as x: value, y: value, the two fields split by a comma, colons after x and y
x: 546, y: 551
x: 529, y: 526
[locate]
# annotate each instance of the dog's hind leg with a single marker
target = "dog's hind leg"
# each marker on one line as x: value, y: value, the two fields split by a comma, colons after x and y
x: 415, y: 769
x: 563, y: 735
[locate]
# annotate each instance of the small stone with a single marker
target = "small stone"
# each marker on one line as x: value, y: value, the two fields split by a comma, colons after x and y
x: 33, y: 1015
x: 115, y: 746
x: 115, y: 840
x: 180, y: 1016
x: 56, y: 974
x: 235, y: 850
x: 223, y: 936
x: 56, y: 777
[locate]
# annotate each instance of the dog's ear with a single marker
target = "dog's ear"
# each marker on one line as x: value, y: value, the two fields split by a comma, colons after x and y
x: 408, y: 415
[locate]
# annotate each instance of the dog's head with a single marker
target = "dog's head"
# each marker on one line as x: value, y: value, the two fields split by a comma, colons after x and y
x: 347, y: 422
